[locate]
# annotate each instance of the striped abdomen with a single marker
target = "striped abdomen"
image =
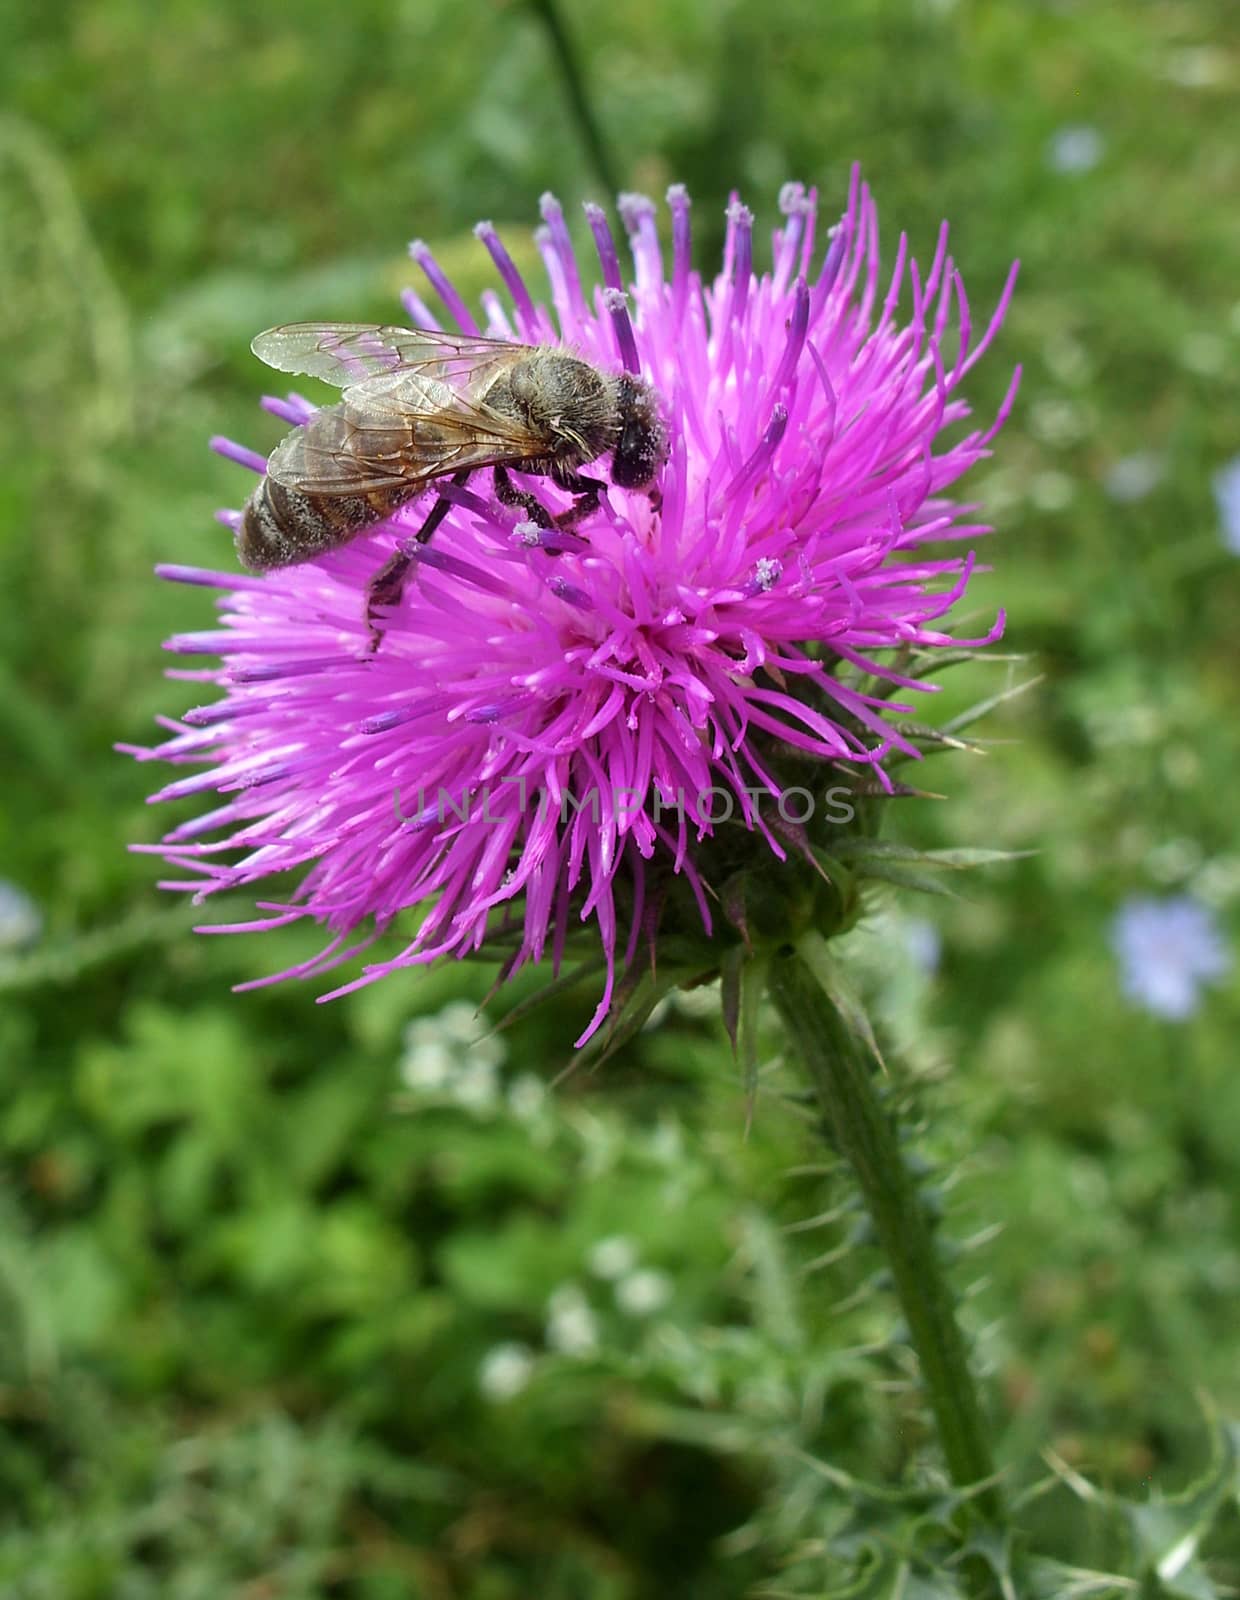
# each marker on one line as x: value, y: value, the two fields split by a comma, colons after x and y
x: 325, y: 483
x: 280, y: 526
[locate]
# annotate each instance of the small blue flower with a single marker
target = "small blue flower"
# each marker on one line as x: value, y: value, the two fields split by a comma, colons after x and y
x: 1075, y: 149
x: 1166, y: 950
x: 923, y: 943
x: 21, y: 921
x: 1227, y: 498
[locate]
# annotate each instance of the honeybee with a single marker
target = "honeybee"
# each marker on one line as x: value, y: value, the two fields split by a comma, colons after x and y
x: 420, y: 405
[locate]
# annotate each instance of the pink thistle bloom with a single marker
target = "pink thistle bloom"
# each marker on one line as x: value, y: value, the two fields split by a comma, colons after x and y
x: 530, y: 744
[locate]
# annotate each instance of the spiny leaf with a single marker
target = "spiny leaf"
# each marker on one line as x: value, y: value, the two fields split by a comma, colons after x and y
x: 1189, y: 1584
x: 1041, y: 1578
x: 1167, y: 1532
x: 831, y: 866
x: 866, y: 850
x: 549, y: 991
x: 907, y: 878
x: 633, y: 1010
x: 969, y: 856
x: 929, y: 740
x: 975, y: 713
x: 731, y: 975
x: 871, y: 788
x: 929, y: 663
x: 817, y: 954
x: 753, y: 987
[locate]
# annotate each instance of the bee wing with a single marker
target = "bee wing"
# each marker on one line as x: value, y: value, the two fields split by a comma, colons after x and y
x: 396, y: 431
x: 348, y: 353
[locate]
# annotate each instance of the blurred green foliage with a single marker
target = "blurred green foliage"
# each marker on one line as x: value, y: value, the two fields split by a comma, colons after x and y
x: 284, y: 1315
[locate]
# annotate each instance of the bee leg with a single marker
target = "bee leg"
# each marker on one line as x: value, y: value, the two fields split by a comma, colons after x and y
x: 384, y: 590
x: 585, y: 505
x: 507, y: 493
x: 386, y: 587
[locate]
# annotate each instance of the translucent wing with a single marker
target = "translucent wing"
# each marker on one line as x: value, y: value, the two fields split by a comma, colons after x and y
x: 347, y: 353
x: 397, y: 431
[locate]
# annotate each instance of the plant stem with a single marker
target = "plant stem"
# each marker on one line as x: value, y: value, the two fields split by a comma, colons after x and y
x: 842, y: 1070
x: 579, y: 101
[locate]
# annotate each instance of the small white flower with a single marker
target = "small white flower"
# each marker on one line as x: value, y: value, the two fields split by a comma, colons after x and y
x: 1057, y: 421
x: 475, y: 1086
x: 465, y: 1025
x: 427, y: 1066
x: 1218, y: 882
x: 453, y: 1053
x: 643, y: 1293
x: 1197, y: 67
x: 1067, y: 359
x: 460, y: 1021
x: 1133, y: 477
x: 572, y: 1328
x: 1075, y: 149
x: 527, y: 1095
x: 1174, y: 860
x: 612, y: 1257
x: 505, y: 1371
x: 666, y: 1145
x: 1052, y: 491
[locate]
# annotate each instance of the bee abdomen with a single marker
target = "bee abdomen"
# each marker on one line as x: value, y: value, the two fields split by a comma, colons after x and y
x: 280, y: 527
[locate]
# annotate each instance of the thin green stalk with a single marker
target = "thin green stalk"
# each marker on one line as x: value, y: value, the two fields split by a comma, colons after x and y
x: 842, y: 1072
x: 575, y: 87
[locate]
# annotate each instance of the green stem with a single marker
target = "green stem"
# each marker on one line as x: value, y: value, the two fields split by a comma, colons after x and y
x: 579, y: 101
x: 842, y: 1071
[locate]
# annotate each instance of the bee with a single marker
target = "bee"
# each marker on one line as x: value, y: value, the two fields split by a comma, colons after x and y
x: 419, y: 405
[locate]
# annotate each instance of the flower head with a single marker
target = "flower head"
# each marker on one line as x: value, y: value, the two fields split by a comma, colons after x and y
x: 557, y: 720
x: 1166, y: 950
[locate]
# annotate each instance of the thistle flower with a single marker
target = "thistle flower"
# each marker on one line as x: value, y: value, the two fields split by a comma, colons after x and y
x: 557, y: 724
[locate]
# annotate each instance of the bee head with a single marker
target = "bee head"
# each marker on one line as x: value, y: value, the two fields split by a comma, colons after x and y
x: 641, y: 448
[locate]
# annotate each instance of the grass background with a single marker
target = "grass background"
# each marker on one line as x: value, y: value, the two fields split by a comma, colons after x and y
x: 247, y: 1283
